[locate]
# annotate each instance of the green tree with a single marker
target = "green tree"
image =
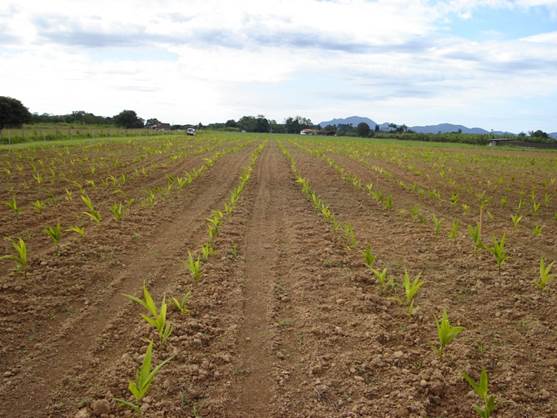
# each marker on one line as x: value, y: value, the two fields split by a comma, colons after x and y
x: 12, y: 113
x: 262, y: 124
x: 295, y: 124
x: 152, y: 122
x: 539, y: 134
x: 128, y: 119
x: 363, y: 129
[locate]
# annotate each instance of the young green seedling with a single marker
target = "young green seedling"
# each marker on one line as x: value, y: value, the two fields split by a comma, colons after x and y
x: 536, y: 206
x: 77, y: 229
x: 206, y: 251
x: 474, y: 232
x: 92, y: 213
x: 159, y: 322
x: 38, y: 205
x: 12, y: 204
x: 411, y: 288
x: 446, y: 333
x: 498, y: 251
x: 156, y: 317
x: 54, y: 232
x: 388, y: 202
x: 369, y: 257
x: 537, y: 231
x: 481, y: 388
x: 144, y: 378
x: 545, y: 274
x: 20, y: 254
x: 516, y: 219
x: 147, y: 302
x: 385, y: 281
x: 436, y: 224
x: 117, y: 211
x: 182, y: 303
x: 194, y: 267
x: 453, y: 233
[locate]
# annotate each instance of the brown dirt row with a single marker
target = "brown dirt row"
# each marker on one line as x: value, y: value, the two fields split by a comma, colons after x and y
x: 85, y: 285
x: 507, y: 320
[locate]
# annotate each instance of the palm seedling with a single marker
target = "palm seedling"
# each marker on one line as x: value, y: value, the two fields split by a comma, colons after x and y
x: 151, y: 198
x: 139, y: 387
x: 12, y: 204
x: 385, y: 281
x: 436, y: 224
x: 545, y: 274
x: 182, y: 303
x: 92, y: 213
x: 349, y: 235
x: 388, y: 202
x: 54, y: 233
x: 38, y: 177
x: 475, y: 234
x: 537, y: 231
x: 181, y: 182
x: 535, y: 206
x: 194, y: 267
x: 20, y: 255
x: 159, y: 322
x: 411, y: 288
x: 498, y: 251
x: 516, y: 219
x: 206, y: 251
x: 369, y: 257
x: 481, y: 388
x: 117, y: 211
x: 77, y: 229
x: 156, y: 317
x: 38, y: 205
x: 446, y: 333
x: 453, y: 233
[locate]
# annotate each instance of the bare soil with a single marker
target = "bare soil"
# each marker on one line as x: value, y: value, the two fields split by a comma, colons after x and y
x: 286, y: 320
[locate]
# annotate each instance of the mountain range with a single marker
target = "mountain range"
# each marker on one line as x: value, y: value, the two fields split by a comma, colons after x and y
x: 428, y: 129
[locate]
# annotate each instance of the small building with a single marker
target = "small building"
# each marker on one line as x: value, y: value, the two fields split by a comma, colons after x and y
x: 498, y: 141
x: 161, y: 126
x: 308, y: 131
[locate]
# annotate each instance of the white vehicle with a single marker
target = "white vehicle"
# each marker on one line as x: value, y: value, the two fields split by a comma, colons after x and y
x: 190, y: 131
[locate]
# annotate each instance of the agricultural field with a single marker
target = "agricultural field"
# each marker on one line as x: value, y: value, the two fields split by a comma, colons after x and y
x: 254, y: 275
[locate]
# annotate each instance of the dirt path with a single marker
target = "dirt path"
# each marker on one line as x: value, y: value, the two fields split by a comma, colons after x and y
x: 255, y: 388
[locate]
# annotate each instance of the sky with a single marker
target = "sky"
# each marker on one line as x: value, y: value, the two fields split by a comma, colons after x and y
x: 489, y: 64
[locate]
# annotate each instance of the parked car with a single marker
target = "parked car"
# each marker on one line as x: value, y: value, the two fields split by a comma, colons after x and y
x: 190, y: 131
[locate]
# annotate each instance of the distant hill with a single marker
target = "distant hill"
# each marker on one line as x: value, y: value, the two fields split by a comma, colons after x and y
x: 553, y: 135
x: 447, y: 127
x: 351, y: 120
x: 428, y: 129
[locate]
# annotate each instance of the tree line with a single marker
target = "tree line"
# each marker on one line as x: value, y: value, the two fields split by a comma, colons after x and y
x: 14, y: 114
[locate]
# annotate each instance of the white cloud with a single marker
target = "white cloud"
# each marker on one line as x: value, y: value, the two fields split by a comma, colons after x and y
x: 211, y: 60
